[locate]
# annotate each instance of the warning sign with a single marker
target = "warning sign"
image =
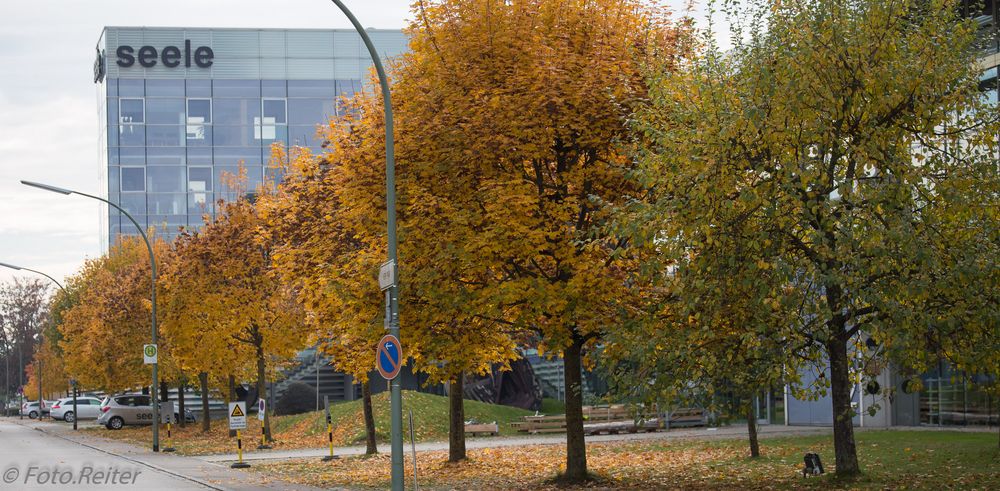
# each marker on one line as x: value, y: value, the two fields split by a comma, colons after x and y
x: 237, y: 415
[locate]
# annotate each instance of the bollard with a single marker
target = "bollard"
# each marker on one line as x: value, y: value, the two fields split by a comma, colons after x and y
x: 329, y: 429
x: 329, y: 435
x: 239, y: 452
x: 170, y: 440
x: 263, y: 438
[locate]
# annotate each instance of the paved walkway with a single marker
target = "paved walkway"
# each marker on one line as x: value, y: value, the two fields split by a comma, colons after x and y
x: 726, y: 432
x: 58, y: 444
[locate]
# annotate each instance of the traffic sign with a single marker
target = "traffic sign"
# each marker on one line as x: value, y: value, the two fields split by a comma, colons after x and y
x: 387, y: 275
x: 261, y: 409
x: 238, y: 415
x: 149, y: 354
x: 167, y: 412
x: 389, y: 357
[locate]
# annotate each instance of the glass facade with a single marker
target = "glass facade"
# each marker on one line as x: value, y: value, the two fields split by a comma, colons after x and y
x: 954, y: 398
x: 176, y: 137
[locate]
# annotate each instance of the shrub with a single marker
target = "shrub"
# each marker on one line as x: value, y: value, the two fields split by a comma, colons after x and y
x: 298, y: 398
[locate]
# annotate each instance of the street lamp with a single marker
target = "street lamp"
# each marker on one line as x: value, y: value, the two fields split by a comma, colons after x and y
x: 152, y: 263
x: 392, y: 295
x: 19, y: 268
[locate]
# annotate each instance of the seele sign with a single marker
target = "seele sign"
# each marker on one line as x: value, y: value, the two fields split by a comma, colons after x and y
x: 170, y: 56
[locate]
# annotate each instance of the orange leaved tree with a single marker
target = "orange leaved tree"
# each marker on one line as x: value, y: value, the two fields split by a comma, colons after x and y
x: 227, y: 307
x: 517, y: 117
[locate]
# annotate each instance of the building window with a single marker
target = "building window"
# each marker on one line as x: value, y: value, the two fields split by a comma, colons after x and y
x: 199, y: 114
x: 273, y: 116
x: 131, y: 111
x: 133, y: 179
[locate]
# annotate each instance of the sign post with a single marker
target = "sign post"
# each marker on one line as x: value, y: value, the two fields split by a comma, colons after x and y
x: 261, y: 414
x: 395, y: 389
x: 72, y: 382
x: 238, y: 421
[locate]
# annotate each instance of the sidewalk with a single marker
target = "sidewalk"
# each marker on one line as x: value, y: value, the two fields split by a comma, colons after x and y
x: 203, y: 472
x: 726, y: 432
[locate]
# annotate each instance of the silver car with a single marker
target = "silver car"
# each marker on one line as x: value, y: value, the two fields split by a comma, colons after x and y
x: 131, y: 409
x: 86, y: 408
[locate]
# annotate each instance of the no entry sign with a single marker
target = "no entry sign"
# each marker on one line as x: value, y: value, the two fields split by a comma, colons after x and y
x: 389, y: 357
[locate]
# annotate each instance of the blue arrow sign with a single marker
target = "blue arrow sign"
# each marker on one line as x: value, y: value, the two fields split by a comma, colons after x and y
x: 389, y: 357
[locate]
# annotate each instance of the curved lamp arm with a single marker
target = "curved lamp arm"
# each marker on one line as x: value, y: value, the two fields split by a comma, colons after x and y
x: 19, y: 268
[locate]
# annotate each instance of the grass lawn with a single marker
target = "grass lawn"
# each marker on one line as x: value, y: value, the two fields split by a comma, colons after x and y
x: 931, y: 460
x: 308, y: 430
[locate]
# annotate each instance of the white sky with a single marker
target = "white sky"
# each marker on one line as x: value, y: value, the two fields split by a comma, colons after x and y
x: 48, y: 102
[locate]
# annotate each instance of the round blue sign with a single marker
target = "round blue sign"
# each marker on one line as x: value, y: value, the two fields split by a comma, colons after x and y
x: 389, y: 357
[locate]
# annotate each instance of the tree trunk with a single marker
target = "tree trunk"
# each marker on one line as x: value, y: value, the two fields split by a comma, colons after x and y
x: 844, y: 448
x: 231, y: 397
x: 206, y: 421
x: 181, y: 420
x: 576, y: 446
x: 366, y: 403
x: 261, y: 389
x: 456, y: 419
x: 752, y: 430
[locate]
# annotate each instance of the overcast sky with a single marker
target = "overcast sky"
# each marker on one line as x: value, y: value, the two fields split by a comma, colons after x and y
x: 48, y: 103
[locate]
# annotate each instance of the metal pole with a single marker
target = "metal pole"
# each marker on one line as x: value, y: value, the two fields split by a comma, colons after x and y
x: 41, y: 400
x: 20, y: 377
x: 152, y: 264
x: 75, y: 413
x: 396, y: 396
x: 6, y: 378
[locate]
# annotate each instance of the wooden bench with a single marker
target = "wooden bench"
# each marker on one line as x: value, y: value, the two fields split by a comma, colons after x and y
x: 492, y: 429
x: 686, y: 417
x: 616, y: 418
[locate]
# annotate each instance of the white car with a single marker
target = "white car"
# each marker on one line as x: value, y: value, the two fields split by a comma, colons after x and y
x: 30, y: 408
x: 86, y: 408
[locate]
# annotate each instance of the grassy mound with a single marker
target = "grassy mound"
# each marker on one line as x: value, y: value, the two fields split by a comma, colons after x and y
x: 430, y: 418
x: 308, y: 430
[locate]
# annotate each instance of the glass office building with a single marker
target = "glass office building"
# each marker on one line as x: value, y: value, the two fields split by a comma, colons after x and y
x: 181, y: 108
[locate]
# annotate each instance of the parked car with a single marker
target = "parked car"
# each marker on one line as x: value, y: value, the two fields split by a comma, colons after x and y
x: 86, y: 407
x: 131, y: 409
x: 31, y: 408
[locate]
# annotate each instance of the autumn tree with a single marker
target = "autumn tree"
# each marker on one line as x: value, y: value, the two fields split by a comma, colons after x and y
x: 101, y: 336
x: 850, y: 140
x: 521, y: 111
x: 23, y: 313
x: 54, y: 379
x: 229, y: 313
x: 711, y: 333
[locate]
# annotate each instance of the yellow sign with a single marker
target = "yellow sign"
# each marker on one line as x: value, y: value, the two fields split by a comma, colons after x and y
x: 237, y: 412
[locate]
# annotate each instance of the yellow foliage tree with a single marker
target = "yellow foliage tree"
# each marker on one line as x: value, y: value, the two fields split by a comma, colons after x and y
x: 228, y: 314
x: 103, y: 333
x: 54, y: 380
x: 516, y: 114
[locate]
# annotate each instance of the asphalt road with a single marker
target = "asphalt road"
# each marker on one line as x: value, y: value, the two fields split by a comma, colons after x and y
x: 31, y: 459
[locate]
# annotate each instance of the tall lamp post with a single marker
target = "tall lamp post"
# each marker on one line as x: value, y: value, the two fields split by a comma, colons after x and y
x: 392, y: 298
x: 40, y: 400
x: 152, y: 262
